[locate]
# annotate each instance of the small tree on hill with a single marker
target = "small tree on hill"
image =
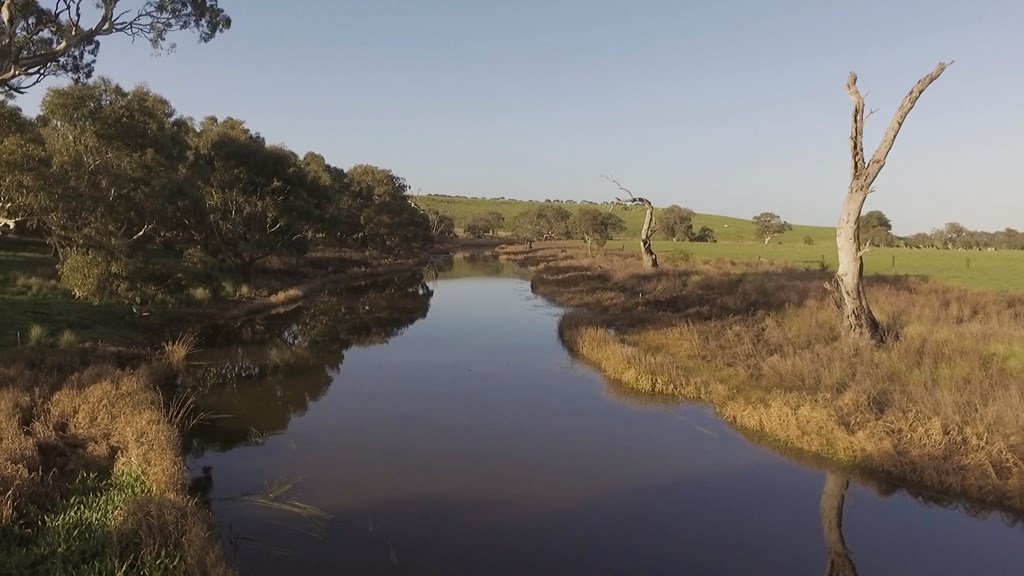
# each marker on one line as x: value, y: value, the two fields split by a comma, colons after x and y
x: 543, y: 222
x: 485, y: 224
x: 596, y: 227
x: 677, y: 223
x: 769, y: 225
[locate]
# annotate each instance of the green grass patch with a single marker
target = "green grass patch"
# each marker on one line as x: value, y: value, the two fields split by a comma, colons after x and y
x: 32, y: 297
x: 80, y: 535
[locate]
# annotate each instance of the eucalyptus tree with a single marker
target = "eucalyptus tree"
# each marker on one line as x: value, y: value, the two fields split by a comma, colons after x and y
x: 677, y: 223
x: 595, y: 227
x: 258, y: 200
x: 542, y: 222
x: 62, y: 38
x: 388, y: 221
x: 768, y: 225
x: 24, y: 163
x: 847, y: 288
x: 116, y: 166
x: 330, y: 191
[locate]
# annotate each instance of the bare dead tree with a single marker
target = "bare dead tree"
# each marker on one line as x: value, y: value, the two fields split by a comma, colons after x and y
x: 833, y: 497
x: 650, y: 259
x: 847, y: 288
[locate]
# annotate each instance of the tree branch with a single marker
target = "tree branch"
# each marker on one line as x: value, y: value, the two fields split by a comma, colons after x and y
x: 856, y: 127
x: 878, y: 158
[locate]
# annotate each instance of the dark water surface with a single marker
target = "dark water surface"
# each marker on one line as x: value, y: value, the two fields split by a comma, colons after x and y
x: 452, y: 434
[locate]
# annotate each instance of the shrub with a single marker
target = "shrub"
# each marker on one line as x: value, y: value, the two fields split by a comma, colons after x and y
x: 86, y: 273
x: 808, y: 241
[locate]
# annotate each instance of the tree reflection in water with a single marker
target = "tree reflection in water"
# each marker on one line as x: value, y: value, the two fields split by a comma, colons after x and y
x: 270, y: 369
x: 840, y: 563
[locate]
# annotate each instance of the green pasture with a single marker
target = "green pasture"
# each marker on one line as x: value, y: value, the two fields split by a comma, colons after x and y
x: 1002, y: 270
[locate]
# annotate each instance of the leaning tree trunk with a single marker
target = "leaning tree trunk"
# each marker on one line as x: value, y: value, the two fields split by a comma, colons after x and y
x: 847, y: 288
x: 840, y: 563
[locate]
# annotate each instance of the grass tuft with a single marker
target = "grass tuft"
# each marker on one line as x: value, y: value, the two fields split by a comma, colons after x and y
x: 177, y: 351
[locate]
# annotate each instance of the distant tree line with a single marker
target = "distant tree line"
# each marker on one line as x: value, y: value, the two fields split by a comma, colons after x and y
x: 136, y: 199
x: 876, y: 229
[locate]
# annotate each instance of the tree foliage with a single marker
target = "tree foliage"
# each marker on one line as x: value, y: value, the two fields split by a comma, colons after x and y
x: 769, y: 225
x: 441, y: 225
x: 138, y: 201
x: 486, y: 224
x: 116, y: 166
x: 542, y: 222
x: 677, y: 223
x: 257, y: 199
x: 875, y: 219
x: 37, y: 41
x: 595, y: 227
x: 388, y: 221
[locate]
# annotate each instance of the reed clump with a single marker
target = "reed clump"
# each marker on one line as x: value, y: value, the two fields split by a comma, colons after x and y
x: 941, y: 407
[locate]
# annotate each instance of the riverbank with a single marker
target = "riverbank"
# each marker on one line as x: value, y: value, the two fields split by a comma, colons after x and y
x: 92, y: 480
x: 92, y: 471
x: 942, y: 408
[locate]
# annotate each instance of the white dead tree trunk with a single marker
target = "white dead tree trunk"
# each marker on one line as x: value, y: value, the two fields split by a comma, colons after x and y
x: 650, y: 259
x: 847, y: 288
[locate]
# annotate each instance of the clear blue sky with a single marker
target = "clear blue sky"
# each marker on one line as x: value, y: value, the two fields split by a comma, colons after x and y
x: 727, y: 107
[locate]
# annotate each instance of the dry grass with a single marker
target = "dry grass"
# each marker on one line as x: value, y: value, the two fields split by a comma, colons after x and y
x: 942, y: 407
x: 177, y: 351
x: 93, y: 474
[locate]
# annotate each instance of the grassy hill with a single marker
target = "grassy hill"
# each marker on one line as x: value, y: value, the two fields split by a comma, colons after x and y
x: 726, y: 229
x: 737, y: 241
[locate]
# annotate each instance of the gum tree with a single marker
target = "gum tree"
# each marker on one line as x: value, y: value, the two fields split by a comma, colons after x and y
x: 62, y: 37
x: 847, y: 288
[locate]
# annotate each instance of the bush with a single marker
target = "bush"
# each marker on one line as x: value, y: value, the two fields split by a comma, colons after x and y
x: 808, y: 241
x: 86, y: 273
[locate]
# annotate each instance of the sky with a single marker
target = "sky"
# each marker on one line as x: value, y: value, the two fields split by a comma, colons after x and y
x: 726, y: 107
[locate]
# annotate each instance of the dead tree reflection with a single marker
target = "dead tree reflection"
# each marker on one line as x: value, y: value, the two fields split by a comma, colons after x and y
x: 840, y: 562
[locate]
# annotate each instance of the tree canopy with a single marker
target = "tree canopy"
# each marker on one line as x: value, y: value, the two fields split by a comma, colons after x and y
x: 769, y: 225
x: 677, y: 223
x: 595, y: 227
x: 542, y: 222
x: 136, y: 199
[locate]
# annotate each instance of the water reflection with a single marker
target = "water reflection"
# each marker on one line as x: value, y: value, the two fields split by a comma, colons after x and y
x: 833, y: 497
x: 281, y: 363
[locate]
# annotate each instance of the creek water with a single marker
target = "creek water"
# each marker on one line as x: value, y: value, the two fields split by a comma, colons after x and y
x: 439, y: 427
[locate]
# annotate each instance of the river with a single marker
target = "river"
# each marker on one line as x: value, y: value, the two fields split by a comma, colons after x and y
x: 438, y: 427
